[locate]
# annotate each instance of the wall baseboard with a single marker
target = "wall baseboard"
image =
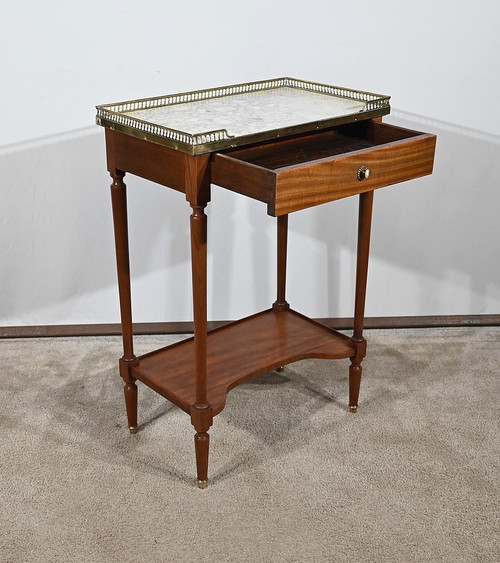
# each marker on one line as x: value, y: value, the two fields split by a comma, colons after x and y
x: 440, y: 321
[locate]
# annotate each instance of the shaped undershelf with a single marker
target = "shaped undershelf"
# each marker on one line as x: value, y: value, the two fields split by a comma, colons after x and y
x: 238, y: 352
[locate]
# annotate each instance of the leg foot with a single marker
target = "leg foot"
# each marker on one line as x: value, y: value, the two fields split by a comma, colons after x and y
x: 130, y: 391
x: 201, y: 443
x: 355, y: 371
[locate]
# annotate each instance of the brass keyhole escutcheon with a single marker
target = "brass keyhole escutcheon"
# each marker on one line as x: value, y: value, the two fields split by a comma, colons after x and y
x: 363, y: 173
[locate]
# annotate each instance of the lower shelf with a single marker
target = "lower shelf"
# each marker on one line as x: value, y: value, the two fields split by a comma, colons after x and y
x: 237, y: 352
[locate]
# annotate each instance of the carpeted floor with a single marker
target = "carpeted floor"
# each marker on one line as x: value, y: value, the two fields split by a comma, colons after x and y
x: 413, y: 476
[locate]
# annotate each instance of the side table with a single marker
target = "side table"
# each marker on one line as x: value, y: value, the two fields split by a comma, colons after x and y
x: 300, y: 170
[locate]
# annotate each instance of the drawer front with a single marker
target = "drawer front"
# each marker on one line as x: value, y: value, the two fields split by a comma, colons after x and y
x: 320, y: 182
x: 299, y: 173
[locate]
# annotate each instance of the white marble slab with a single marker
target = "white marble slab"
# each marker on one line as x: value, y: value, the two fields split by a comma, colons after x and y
x: 251, y: 112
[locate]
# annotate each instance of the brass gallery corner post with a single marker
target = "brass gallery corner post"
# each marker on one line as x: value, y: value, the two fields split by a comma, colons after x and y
x: 285, y: 142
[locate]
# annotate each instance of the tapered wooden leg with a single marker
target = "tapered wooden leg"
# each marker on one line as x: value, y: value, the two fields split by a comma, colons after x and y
x: 364, y: 228
x: 201, y: 412
x: 130, y: 392
x: 281, y: 303
x: 355, y: 372
x: 199, y: 272
x: 282, y: 238
x: 201, y: 445
x: 119, y: 202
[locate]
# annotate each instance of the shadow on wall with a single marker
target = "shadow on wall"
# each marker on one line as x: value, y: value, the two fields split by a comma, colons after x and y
x: 435, y: 240
x: 57, y: 250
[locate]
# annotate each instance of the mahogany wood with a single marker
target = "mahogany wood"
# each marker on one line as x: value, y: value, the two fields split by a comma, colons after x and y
x: 199, y: 270
x: 364, y: 229
x: 119, y: 203
x: 130, y: 392
x: 197, y: 179
x: 238, y: 352
x: 304, y: 149
x: 316, y: 169
x: 250, y: 180
x: 290, y: 174
x: 197, y: 188
x: 154, y: 162
x: 201, y: 445
x: 282, y: 238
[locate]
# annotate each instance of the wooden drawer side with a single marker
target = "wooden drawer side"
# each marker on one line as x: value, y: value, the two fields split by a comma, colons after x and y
x: 243, y: 177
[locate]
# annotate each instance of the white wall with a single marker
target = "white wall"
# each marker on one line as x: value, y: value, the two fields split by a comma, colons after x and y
x: 435, y: 240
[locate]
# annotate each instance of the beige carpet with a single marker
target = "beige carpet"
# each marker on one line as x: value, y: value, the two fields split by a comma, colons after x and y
x: 414, y: 476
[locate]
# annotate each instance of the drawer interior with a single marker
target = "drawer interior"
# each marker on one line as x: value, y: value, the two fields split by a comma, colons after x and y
x: 326, y: 144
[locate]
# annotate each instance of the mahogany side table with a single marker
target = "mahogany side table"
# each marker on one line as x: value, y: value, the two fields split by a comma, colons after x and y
x: 289, y: 169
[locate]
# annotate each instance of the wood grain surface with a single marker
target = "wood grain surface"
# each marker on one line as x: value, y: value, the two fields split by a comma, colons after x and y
x: 297, y: 173
x: 238, y: 352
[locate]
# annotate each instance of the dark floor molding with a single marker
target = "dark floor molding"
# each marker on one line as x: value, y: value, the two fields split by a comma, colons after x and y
x: 187, y: 327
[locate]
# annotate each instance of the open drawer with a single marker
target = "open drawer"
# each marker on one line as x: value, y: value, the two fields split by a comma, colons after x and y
x: 312, y: 169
